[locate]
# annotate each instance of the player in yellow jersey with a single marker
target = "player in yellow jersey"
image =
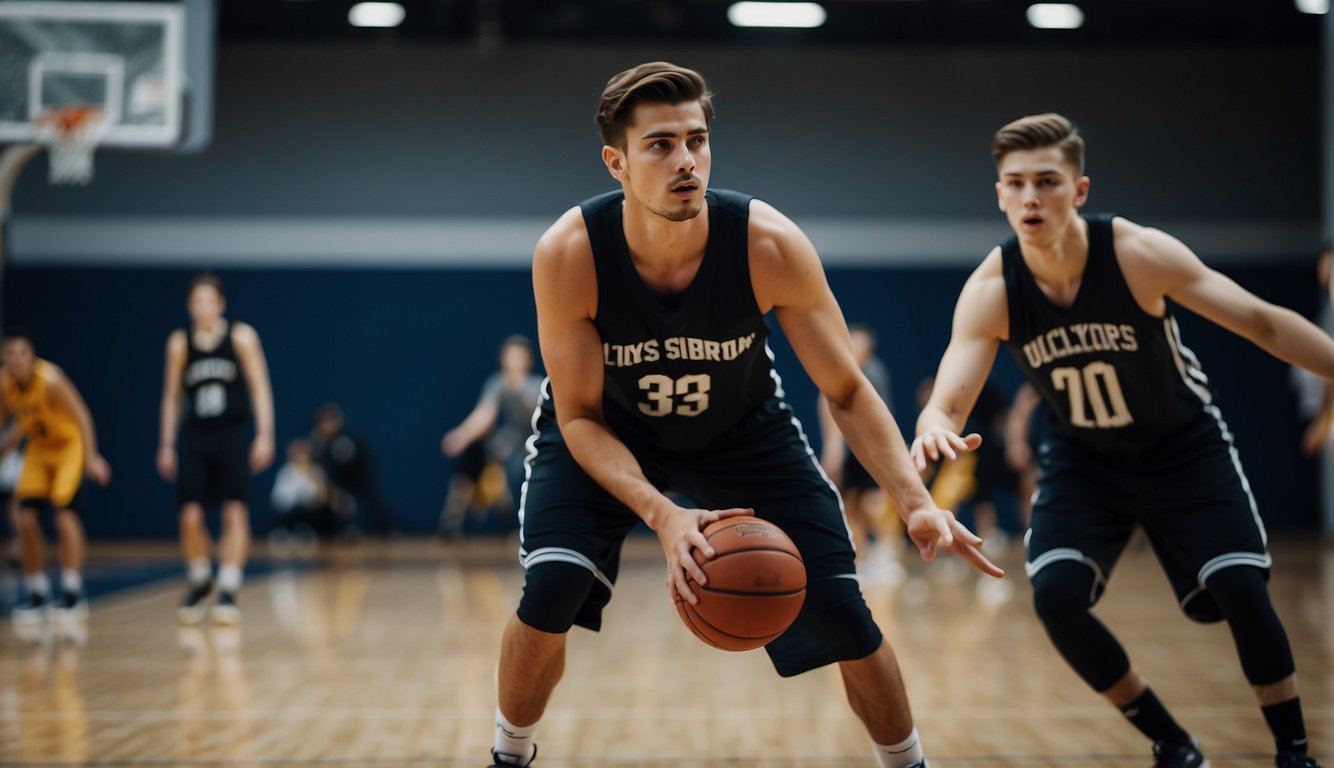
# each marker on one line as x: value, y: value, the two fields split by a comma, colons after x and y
x: 62, y: 450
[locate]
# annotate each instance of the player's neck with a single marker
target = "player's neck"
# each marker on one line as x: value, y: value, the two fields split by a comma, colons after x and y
x: 209, y: 327
x: 1063, y: 258
x: 1058, y: 266
x: 660, y: 244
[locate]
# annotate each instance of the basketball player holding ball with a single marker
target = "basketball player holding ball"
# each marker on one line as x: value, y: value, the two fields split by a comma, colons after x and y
x: 650, y: 304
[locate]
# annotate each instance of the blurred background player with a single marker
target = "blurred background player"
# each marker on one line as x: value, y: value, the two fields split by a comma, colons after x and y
x: 300, y: 498
x: 350, y: 467
x: 1022, y: 433
x: 495, y: 431
x: 875, y: 527
x: 216, y: 380
x: 1315, y: 396
x: 62, y: 449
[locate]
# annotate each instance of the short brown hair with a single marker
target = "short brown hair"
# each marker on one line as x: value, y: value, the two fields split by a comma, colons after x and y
x: 209, y: 279
x: 1040, y: 131
x: 656, y: 82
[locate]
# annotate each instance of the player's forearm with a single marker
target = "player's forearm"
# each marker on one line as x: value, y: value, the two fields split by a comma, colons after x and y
x: 261, y: 399
x: 870, y: 430
x: 89, y: 433
x: 1298, y: 341
x: 169, y: 421
x: 606, y: 459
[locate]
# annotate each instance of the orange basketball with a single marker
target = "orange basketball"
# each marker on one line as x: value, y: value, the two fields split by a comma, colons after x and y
x: 757, y: 583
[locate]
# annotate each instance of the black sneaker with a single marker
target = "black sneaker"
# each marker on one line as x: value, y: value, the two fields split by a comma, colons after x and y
x: 72, y: 606
x: 195, y: 603
x: 496, y: 762
x: 1295, y: 760
x: 1178, y: 755
x: 33, y: 609
x: 225, y: 610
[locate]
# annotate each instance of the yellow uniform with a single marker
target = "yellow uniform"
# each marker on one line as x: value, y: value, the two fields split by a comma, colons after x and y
x: 53, y: 463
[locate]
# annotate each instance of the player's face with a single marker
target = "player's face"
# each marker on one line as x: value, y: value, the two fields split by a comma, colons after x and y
x: 1040, y: 194
x: 206, y: 305
x: 665, y: 163
x: 19, y: 359
x: 516, y: 359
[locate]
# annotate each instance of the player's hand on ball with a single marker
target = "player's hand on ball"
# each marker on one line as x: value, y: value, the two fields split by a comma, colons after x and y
x: 938, y: 443
x: 680, y: 533
x: 933, y: 529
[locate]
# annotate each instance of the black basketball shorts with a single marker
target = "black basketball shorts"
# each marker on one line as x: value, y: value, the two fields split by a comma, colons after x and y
x: 1190, y: 495
x: 764, y: 463
x: 213, y: 463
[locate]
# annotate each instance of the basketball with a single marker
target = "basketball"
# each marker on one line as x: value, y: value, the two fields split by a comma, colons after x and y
x: 757, y: 583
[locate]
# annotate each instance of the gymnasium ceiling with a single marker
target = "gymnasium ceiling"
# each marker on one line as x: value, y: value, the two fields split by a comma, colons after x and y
x: 992, y: 23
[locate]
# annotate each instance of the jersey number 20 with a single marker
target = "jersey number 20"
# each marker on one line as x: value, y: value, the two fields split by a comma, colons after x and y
x: 686, y: 396
x: 1086, y: 387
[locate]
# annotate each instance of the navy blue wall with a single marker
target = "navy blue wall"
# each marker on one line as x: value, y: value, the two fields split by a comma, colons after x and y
x: 405, y: 353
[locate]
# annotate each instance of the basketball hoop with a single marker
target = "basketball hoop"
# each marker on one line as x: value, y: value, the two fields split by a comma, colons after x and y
x: 70, y: 135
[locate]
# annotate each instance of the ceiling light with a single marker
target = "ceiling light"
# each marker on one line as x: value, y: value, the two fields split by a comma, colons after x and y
x: 792, y: 15
x: 376, y: 15
x: 1055, y: 16
x: 1313, y: 6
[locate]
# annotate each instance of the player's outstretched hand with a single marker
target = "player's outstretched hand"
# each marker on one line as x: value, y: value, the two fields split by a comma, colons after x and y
x: 933, y: 529
x: 680, y: 534
x: 938, y: 443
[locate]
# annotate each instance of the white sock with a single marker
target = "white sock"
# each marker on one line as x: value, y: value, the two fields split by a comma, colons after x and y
x: 514, y: 744
x: 38, y: 583
x: 198, y: 571
x: 906, y: 753
x: 71, y: 582
x: 229, y: 578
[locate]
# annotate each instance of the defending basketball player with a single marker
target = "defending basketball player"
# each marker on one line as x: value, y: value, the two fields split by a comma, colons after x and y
x: 62, y: 450
x: 1084, y: 305
x: 650, y: 304
x: 216, y: 378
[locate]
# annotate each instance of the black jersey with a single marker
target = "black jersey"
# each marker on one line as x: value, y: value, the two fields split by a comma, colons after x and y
x: 1114, y: 377
x: 679, y: 370
x: 215, y: 391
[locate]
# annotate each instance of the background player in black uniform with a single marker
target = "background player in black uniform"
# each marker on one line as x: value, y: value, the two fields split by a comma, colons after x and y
x: 650, y: 304
x: 1082, y: 303
x: 216, y: 378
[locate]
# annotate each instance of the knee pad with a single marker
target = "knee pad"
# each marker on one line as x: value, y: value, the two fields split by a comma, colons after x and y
x: 1064, y: 589
x: 558, y: 595
x: 1063, y: 592
x: 834, y: 625
x: 1242, y: 595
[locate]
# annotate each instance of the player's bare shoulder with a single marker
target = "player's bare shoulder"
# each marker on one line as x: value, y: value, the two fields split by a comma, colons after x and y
x: 564, y: 243
x: 983, y: 306
x: 1138, y: 246
x: 771, y: 233
x: 177, y: 341
x: 563, y: 270
x: 244, y: 334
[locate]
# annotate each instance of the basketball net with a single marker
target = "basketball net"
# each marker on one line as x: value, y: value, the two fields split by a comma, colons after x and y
x: 70, y: 135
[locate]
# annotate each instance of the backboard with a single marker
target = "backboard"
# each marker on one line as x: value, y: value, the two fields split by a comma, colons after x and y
x: 148, y: 66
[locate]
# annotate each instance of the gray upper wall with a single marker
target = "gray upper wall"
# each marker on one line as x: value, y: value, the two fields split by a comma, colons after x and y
x: 399, y: 131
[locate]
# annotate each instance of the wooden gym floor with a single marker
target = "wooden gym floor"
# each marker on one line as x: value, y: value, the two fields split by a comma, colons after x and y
x: 383, y: 655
